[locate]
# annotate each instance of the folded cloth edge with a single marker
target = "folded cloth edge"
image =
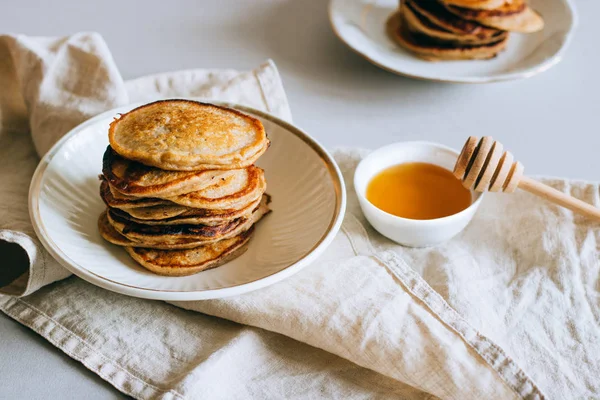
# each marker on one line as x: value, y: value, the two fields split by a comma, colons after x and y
x: 508, y: 370
x: 30, y: 281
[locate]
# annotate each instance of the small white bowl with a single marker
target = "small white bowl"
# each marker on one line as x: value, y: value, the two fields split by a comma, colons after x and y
x: 411, y: 232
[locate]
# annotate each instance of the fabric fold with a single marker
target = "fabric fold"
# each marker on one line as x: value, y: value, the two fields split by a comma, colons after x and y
x: 396, y: 332
x: 79, y: 70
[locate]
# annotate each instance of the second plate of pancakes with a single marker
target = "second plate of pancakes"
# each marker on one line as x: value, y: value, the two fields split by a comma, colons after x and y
x: 364, y: 26
x: 305, y: 191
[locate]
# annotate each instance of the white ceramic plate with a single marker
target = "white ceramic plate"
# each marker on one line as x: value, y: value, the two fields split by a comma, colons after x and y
x: 361, y: 25
x: 308, y: 207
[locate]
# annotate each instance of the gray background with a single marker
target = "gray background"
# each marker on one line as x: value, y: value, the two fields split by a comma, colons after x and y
x: 549, y: 122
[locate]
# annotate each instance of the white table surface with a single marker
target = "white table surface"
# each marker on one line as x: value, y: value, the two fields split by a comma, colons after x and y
x: 549, y: 121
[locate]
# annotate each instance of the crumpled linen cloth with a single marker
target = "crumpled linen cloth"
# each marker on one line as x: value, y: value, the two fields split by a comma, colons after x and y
x: 508, y: 309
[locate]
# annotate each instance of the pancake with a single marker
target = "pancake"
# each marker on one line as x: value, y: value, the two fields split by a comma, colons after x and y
x: 112, y: 199
x: 184, y: 135
x: 234, y: 190
x: 421, y: 25
x: 161, y: 212
x: 156, y: 209
x: 433, y: 50
x: 478, y: 4
x: 516, y: 16
x: 191, y: 261
x: 138, y: 180
x: 122, y: 196
x: 149, y: 235
x: 438, y: 15
x: 194, y: 216
x: 111, y: 235
x: 231, y: 192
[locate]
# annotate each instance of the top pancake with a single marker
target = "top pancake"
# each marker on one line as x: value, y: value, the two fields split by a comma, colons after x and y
x: 184, y: 135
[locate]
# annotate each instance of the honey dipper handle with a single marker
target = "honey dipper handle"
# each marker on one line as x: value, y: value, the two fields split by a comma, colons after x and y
x: 558, y: 197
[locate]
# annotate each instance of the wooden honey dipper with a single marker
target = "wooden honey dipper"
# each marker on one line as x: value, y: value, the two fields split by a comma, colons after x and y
x: 483, y: 165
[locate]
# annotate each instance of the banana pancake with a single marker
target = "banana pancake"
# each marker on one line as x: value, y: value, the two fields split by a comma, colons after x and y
x: 196, y: 216
x: 156, y: 210
x: 478, y: 4
x: 234, y: 190
x: 184, y: 135
x: 122, y: 196
x: 111, y: 235
x: 139, y: 180
x: 230, y: 192
x: 433, y: 50
x: 112, y: 199
x: 515, y: 16
x: 148, y: 235
x: 191, y: 261
x: 421, y: 25
x: 438, y: 15
x: 161, y: 212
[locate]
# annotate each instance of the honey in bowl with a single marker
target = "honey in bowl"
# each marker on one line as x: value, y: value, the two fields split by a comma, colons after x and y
x: 418, y: 190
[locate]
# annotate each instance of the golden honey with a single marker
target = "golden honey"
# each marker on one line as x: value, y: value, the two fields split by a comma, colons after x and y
x: 418, y: 190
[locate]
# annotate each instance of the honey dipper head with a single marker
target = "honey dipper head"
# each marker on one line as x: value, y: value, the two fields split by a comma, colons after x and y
x: 482, y: 165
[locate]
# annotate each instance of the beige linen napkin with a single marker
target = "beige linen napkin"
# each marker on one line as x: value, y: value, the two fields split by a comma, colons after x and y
x: 529, y: 280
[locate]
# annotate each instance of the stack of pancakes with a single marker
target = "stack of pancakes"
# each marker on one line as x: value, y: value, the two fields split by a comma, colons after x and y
x: 180, y: 185
x: 460, y: 29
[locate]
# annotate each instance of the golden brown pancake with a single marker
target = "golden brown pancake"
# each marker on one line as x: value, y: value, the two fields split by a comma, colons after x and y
x: 184, y: 135
x: 167, y: 211
x: 156, y: 209
x: 138, y: 180
x: 233, y: 205
x: 234, y: 190
x: 477, y: 4
x: 433, y: 50
x: 111, y: 235
x: 421, y: 25
x: 195, y: 216
x: 231, y: 192
x: 126, y: 203
x: 191, y: 261
x: 148, y: 235
x: 516, y: 16
x: 435, y: 12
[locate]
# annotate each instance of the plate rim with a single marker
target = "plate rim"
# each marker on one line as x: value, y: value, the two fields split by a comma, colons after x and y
x: 528, y: 73
x: 98, y: 280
